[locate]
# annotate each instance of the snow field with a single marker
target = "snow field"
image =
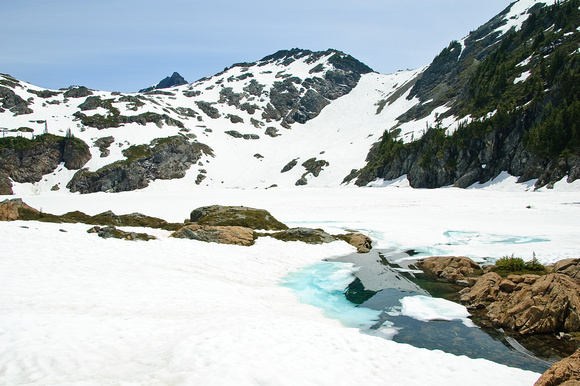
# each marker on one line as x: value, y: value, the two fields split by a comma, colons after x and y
x: 80, y: 310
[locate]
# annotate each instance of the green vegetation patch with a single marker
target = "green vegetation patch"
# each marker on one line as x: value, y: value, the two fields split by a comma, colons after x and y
x: 512, y: 264
x: 236, y: 216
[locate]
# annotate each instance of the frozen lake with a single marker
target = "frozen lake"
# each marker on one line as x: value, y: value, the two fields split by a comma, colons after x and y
x: 80, y: 310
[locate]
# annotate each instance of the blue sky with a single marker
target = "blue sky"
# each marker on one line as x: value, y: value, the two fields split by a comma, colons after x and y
x: 126, y: 45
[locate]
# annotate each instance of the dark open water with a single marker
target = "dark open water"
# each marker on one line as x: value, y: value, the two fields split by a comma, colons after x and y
x: 371, y: 299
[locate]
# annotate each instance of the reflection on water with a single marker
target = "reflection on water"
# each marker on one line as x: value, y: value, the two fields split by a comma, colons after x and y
x: 375, y: 298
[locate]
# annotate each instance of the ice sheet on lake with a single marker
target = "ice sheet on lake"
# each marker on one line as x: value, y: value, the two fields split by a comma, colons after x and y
x: 426, y: 308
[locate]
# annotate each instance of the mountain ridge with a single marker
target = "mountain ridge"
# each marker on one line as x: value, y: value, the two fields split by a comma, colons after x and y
x: 298, y: 117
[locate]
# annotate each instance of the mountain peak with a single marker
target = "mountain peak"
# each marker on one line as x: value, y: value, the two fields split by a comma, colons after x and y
x: 174, y: 80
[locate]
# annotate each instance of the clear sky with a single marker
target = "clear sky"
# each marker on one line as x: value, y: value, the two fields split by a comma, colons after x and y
x: 126, y: 45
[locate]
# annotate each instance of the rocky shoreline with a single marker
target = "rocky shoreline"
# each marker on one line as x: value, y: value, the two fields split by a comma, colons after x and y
x: 527, y: 304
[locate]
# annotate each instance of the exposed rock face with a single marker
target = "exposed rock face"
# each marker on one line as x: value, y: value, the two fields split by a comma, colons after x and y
x: 569, y: 267
x: 78, y: 92
x: 528, y: 304
x: 103, y: 144
x: 171, y: 81
x: 26, y: 160
x: 362, y: 243
x: 314, y: 166
x: 479, y: 153
x: 565, y: 372
x: 288, y: 100
x: 168, y: 158
x: 252, y: 218
x: 10, y: 209
x: 451, y: 269
x: 289, y: 166
x: 306, y: 235
x: 217, y: 234
x: 13, y: 102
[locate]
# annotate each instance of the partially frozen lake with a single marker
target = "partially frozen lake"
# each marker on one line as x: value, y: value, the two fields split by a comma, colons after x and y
x: 77, y: 309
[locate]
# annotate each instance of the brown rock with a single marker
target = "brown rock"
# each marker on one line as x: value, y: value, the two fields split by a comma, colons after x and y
x: 507, y: 286
x: 216, y: 234
x: 515, y: 278
x: 449, y: 268
x: 530, y: 279
x: 362, y: 243
x: 565, y: 372
x: 485, y: 289
x: 570, y: 267
x: 10, y: 209
x: 550, y: 304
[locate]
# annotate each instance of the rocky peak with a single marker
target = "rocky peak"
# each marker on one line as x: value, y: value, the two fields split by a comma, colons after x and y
x: 171, y: 81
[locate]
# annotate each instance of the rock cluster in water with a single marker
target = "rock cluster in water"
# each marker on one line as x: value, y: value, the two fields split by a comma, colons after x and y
x: 527, y: 303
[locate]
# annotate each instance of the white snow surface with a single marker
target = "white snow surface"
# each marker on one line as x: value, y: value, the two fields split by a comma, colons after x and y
x: 518, y: 14
x: 81, y: 310
x: 426, y: 308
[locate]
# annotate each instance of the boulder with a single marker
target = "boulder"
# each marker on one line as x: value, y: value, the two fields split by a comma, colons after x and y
x: 535, y: 305
x: 216, y: 234
x: 242, y: 216
x: 565, y: 372
x: 10, y: 209
x: 362, y: 243
x: 450, y: 268
x: 570, y: 267
x: 306, y: 235
x: 112, y: 232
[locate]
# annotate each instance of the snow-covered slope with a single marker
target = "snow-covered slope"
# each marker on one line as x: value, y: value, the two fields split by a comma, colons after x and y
x: 292, y: 118
x: 258, y: 117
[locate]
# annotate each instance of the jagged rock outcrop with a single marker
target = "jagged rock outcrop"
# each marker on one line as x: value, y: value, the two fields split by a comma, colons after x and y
x: 14, y: 103
x: 459, y: 270
x: 165, y: 158
x: 10, y: 209
x: 77, y: 92
x: 430, y: 163
x: 103, y: 144
x: 25, y: 160
x: 314, y: 166
x: 569, y: 267
x: 528, y: 304
x: 217, y: 215
x: 171, y: 81
x: 217, y: 234
x: 563, y: 373
x: 299, y: 100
